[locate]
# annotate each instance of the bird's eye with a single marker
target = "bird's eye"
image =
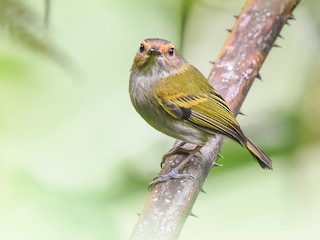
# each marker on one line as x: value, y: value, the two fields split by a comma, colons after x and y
x: 141, y: 49
x: 171, y: 51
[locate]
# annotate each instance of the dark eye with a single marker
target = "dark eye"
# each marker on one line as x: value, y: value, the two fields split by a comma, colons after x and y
x: 171, y: 51
x: 141, y: 49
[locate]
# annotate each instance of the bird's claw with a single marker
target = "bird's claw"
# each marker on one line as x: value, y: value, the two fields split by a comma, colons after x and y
x: 172, y: 174
x: 176, y: 149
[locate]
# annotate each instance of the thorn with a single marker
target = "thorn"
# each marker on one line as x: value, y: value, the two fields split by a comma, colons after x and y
x: 217, y: 165
x: 138, y: 214
x: 241, y: 113
x: 259, y: 76
x: 193, y: 215
x: 212, y: 62
x: 291, y: 17
x: 287, y: 22
x: 229, y: 30
x: 280, y: 36
x: 202, y: 190
x: 276, y: 45
x: 220, y: 156
x: 236, y: 16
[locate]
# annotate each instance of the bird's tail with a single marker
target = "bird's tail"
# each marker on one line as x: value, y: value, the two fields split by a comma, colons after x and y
x: 262, y: 158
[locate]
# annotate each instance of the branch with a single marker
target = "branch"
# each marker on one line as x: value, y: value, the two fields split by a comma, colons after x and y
x: 238, y: 64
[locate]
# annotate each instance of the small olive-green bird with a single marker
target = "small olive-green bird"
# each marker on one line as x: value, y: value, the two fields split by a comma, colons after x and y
x: 176, y: 99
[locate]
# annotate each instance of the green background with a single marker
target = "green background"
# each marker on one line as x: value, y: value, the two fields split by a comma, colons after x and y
x: 76, y: 159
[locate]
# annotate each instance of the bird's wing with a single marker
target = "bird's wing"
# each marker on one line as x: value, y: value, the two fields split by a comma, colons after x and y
x: 200, y: 105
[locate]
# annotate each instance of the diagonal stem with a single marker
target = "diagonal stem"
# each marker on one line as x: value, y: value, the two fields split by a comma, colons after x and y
x: 238, y: 63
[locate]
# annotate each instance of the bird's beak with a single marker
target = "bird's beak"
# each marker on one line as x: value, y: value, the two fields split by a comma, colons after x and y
x: 154, y: 52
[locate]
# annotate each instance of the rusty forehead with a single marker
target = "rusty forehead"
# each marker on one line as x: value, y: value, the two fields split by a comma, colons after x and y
x: 158, y: 42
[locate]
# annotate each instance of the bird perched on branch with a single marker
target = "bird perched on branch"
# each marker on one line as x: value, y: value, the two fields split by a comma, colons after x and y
x: 176, y: 99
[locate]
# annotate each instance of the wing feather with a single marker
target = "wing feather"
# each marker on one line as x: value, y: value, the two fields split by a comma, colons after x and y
x: 205, y: 108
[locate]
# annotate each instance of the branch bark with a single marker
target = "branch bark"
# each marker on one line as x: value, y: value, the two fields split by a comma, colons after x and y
x: 237, y: 65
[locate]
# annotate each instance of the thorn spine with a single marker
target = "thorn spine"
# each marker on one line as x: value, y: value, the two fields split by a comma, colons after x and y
x: 193, y: 215
x: 202, y: 190
x: 217, y: 164
x: 259, y: 76
x: 291, y: 17
x: 241, y: 113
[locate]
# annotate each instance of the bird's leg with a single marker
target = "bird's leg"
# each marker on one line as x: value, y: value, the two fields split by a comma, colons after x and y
x: 176, y: 149
x: 174, y: 173
x: 183, y: 163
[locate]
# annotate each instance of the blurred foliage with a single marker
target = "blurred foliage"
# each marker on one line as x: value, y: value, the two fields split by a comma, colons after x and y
x: 186, y: 8
x: 76, y: 159
x: 27, y: 28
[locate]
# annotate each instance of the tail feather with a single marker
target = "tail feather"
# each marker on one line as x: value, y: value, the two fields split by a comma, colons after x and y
x: 262, y: 158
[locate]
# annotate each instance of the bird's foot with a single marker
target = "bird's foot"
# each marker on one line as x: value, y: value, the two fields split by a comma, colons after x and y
x: 172, y: 174
x: 176, y: 149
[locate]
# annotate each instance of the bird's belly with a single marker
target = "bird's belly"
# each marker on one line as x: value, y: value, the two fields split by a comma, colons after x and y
x: 176, y: 128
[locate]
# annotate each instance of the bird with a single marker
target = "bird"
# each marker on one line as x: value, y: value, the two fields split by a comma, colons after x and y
x: 176, y: 99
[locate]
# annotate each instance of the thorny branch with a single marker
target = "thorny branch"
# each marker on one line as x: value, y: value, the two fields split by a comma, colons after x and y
x: 238, y: 64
